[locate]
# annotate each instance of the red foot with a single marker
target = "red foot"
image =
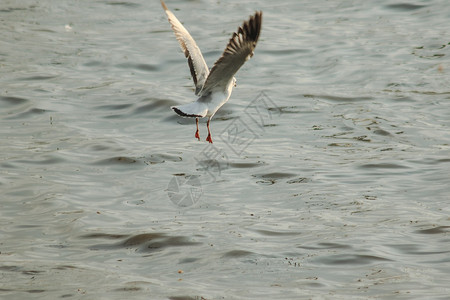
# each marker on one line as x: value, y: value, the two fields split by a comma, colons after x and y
x: 209, y: 139
x: 197, y: 135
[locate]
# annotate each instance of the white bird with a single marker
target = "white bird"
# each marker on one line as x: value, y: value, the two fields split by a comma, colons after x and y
x: 214, y: 87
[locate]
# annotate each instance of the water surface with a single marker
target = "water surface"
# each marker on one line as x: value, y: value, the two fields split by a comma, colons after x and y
x: 328, y: 177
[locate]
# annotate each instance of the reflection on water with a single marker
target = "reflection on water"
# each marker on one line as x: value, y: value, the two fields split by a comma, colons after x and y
x: 328, y: 174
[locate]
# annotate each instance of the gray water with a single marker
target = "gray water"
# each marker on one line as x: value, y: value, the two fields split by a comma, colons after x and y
x: 328, y: 177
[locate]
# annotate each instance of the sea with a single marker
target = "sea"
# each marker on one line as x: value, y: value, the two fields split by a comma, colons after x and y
x: 328, y: 176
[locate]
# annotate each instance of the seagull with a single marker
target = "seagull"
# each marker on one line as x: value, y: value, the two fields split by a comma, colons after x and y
x: 213, y: 87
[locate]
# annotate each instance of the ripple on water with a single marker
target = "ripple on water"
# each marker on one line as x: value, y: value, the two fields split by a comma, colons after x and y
x: 272, y: 178
x: 221, y: 165
x: 415, y: 249
x: 338, y: 99
x: 106, y: 146
x: 404, y: 6
x: 435, y: 230
x: 159, y: 158
x: 45, y: 160
x: 381, y: 132
x: 94, y: 63
x: 38, y: 77
x: 277, y: 233
x: 324, y: 246
x: 115, y: 111
x: 14, y: 106
x: 124, y: 161
x: 12, y: 101
x: 151, y: 104
x: 184, y: 298
x: 114, y: 107
x: 245, y: 165
x: 383, y: 166
x: 29, y: 113
x: 141, y: 67
x: 145, y: 242
x: 117, y: 160
x: 350, y: 259
x: 237, y: 253
x: 123, y: 3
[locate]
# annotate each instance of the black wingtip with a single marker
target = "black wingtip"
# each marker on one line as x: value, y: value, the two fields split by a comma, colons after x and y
x: 252, y: 27
x: 164, y: 5
x: 183, y: 114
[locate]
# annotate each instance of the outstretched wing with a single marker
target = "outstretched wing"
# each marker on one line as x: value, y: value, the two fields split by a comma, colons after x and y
x: 197, y: 64
x: 238, y: 51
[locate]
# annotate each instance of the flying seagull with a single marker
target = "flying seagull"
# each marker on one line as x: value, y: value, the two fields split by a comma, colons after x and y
x: 213, y: 87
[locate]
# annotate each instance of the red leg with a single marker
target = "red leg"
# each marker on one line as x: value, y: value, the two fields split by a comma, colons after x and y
x: 209, y: 132
x: 196, y: 133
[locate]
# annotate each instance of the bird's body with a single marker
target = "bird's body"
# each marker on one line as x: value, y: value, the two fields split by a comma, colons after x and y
x: 205, y: 106
x: 213, y: 87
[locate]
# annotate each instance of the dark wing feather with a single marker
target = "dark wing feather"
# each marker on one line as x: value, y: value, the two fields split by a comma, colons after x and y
x: 238, y: 51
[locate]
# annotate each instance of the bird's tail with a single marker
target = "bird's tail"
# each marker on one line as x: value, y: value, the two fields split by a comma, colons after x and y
x: 194, y: 109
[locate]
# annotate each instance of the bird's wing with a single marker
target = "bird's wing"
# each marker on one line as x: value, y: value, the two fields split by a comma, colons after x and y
x: 238, y: 51
x: 197, y: 64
